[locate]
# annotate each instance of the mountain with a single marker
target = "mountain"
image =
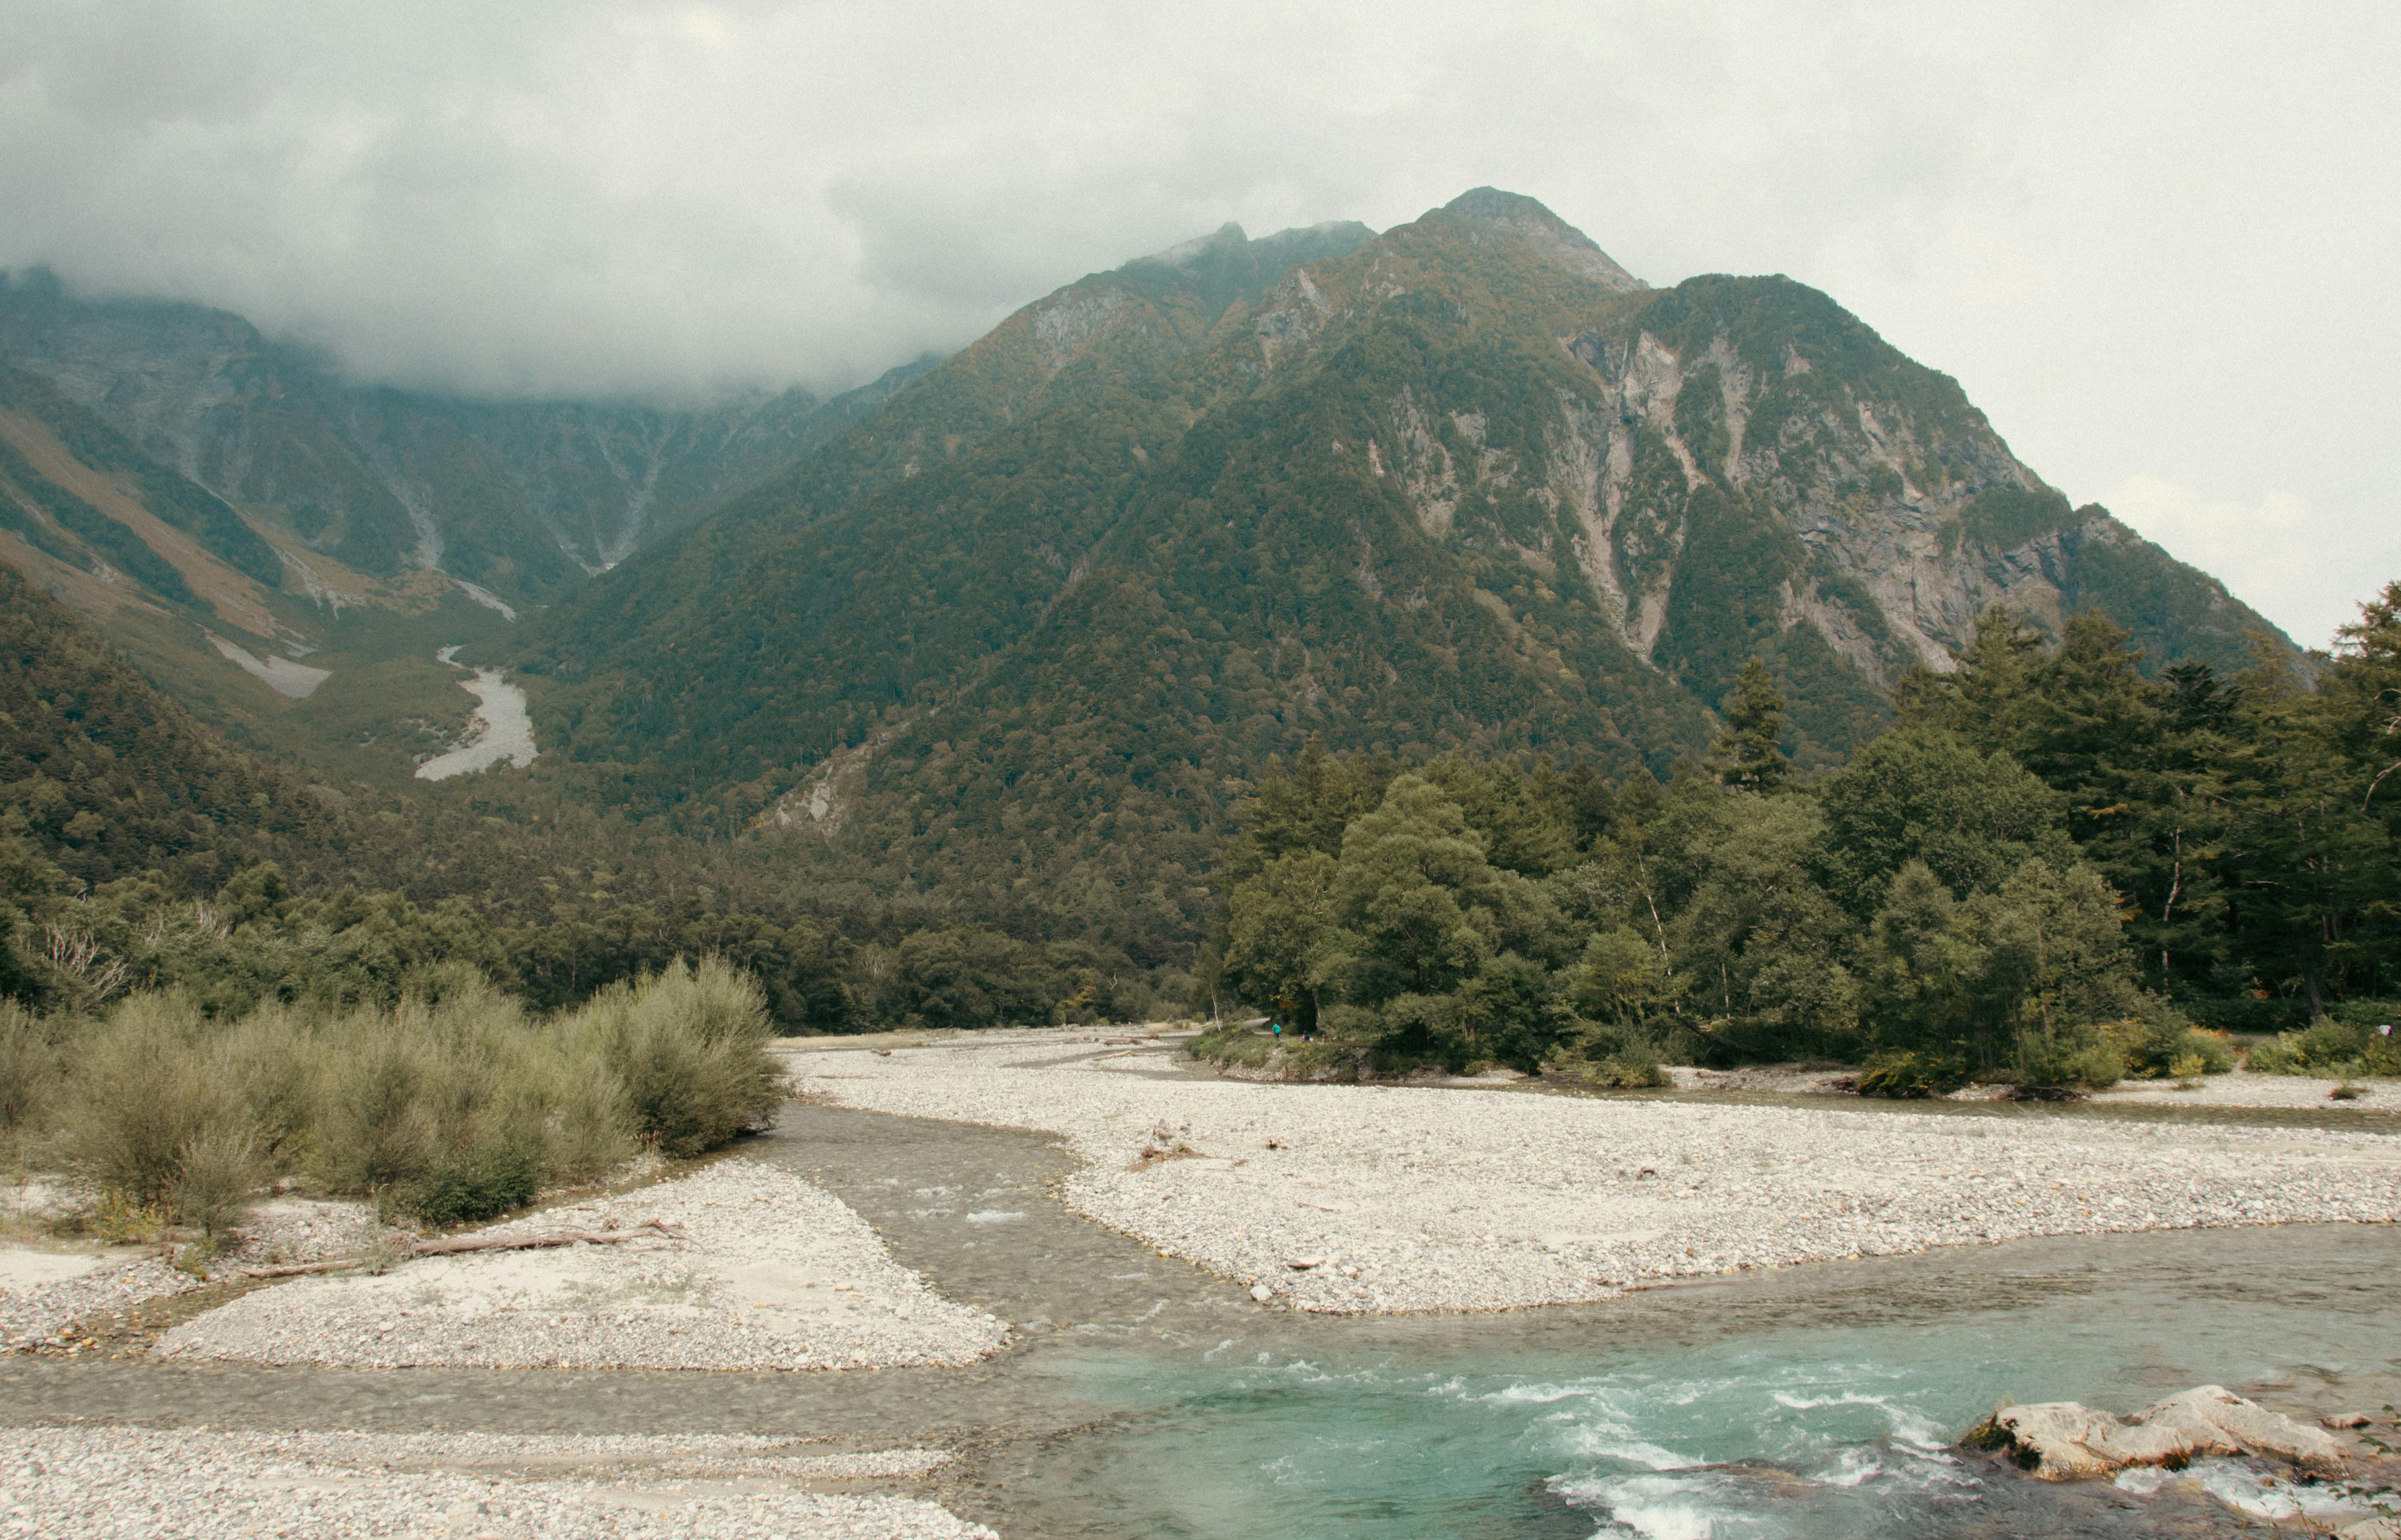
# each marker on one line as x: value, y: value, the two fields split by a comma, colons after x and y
x: 522, y: 499
x: 1035, y: 621
x: 105, y: 777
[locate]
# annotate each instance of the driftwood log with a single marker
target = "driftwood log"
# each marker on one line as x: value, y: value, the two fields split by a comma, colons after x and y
x: 646, y: 1229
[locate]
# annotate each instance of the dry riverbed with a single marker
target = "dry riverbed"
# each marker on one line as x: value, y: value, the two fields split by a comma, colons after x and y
x: 1390, y: 1198
x: 769, y: 1273
x: 111, y: 1481
x: 46, y: 1285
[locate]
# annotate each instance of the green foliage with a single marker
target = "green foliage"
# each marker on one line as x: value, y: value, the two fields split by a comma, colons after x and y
x: 1746, y: 755
x: 148, y: 1089
x: 689, y: 1047
x: 2162, y: 1042
x: 1631, y: 1069
x: 2005, y: 517
x: 449, y: 1106
x: 1920, y: 794
x: 217, y: 1173
x: 29, y: 1069
x: 2329, y: 1047
x: 1910, y: 1074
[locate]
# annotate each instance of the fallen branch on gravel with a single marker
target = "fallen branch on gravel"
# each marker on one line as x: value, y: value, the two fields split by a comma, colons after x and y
x: 648, y: 1228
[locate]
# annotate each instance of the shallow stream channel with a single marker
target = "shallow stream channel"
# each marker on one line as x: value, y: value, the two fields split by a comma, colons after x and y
x: 1144, y: 1398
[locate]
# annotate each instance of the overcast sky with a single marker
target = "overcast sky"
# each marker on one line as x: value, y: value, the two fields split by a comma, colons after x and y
x: 2156, y: 243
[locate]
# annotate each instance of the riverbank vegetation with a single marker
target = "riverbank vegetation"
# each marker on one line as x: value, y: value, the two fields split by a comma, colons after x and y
x: 2052, y: 870
x: 453, y: 1103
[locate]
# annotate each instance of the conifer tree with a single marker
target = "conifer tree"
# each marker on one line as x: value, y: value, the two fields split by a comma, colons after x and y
x: 1746, y: 755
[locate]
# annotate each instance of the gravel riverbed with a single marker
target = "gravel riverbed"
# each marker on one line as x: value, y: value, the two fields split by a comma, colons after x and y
x: 773, y: 1274
x: 2244, y: 1089
x: 1345, y: 1198
x: 111, y: 1482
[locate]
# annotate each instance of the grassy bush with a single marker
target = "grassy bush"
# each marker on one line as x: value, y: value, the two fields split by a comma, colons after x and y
x: 216, y: 1172
x: 2329, y: 1046
x: 2164, y: 1043
x: 29, y: 1069
x: 1632, y: 1068
x: 1910, y: 1074
x: 148, y: 1085
x: 689, y: 1047
x: 450, y: 1106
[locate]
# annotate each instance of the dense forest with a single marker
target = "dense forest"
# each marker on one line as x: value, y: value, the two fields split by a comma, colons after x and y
x: 140, y: 850
x: 2051, y: 852
x: 2051, y: 869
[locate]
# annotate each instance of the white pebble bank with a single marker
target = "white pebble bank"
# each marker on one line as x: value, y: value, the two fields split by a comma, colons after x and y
x: 776, y: 1274
x: 1384, y: 1198
x: 100, y: 1483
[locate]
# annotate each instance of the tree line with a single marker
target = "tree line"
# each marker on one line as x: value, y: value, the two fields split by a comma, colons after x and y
x: 2052, y: 868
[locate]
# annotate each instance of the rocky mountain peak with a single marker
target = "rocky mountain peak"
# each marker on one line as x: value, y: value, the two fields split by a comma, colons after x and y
x: 1551, y: 236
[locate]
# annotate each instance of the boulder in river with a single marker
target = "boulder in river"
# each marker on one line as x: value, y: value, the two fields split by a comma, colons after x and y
x: 2061, y: 1442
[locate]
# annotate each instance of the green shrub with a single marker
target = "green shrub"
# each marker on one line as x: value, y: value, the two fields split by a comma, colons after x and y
x: 29, y: 1069
x: 2329, y: 1046
x: 2154, y: 1044
x: 486, y: 1177
x: 2066, y: 1059
x: 689, y: 1045
x: 146, y: 1084
x: 449, y: 1106
x: 1631, y: 1068
x: 217, y: 1173
x: 377, y: 1131
x: 1910, y: 1074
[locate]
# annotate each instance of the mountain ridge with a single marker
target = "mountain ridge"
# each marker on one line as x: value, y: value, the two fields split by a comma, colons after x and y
x: 1445, y: 489
x: 520, y: 500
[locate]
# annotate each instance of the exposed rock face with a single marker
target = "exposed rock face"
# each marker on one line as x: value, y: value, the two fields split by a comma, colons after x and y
x: 2064, y: 1441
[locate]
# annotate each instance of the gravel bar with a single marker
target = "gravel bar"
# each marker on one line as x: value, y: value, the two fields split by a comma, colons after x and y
x: 38, y: 1315
x: 1349, y: 1198
x: 104, y: 1483
x: 2244, y: 1089
x: 776, y: 1274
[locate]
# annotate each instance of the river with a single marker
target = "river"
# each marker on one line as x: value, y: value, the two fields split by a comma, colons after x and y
x: 501, y: 732
x: 1148, y: 1398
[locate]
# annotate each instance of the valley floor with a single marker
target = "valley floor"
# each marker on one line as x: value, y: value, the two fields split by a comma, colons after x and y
x: 1341, y: 1198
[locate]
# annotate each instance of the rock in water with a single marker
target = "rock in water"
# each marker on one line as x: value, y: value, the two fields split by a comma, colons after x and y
x: 2064, y: 1441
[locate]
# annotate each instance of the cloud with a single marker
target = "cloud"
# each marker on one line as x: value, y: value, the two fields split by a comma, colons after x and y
x: 2150, y: 239
x: 660, y: 198
x: 2304, y: 570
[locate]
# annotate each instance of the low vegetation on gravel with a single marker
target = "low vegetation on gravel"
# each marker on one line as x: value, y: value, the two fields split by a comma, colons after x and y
x: 454, y: 1104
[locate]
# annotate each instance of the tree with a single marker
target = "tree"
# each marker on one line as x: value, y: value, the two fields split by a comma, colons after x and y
x: 1922, y: 794
x: 1277, y: 933
x: 1746, y: 755
x: 1416, y: 891
x: 2055, y: 970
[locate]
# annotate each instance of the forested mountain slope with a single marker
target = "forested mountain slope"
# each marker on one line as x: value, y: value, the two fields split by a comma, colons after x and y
x: 521, y: 499
x: 104, y: 777
x: 1040, y: 617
